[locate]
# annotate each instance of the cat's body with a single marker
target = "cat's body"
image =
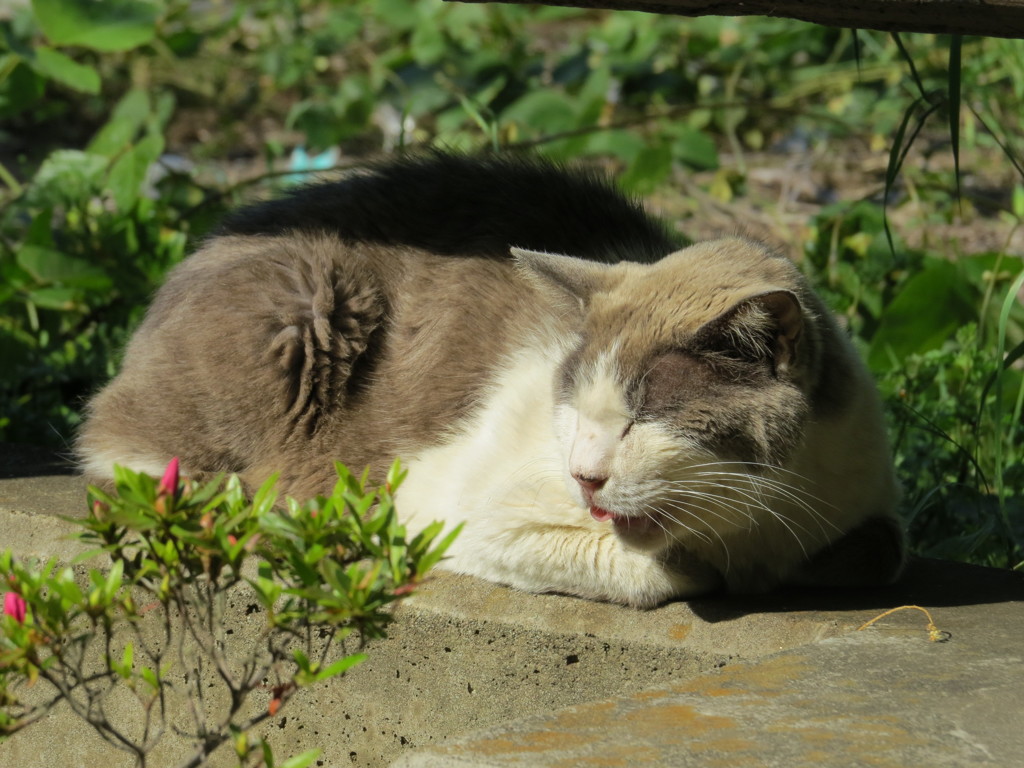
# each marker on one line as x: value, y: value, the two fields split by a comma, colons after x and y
x: 625, y: 431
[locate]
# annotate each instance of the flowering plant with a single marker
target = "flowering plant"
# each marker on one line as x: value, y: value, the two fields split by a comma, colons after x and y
x: 156, y: 624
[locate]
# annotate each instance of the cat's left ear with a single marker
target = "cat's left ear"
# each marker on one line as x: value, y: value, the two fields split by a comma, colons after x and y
x: 788, y: 316
x: 569, y: 275
x: 768, y: 323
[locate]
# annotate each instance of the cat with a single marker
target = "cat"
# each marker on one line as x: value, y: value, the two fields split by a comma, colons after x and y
x: 613, y: 413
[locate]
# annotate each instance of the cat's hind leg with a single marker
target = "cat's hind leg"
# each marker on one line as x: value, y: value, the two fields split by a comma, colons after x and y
x: 246, y: 352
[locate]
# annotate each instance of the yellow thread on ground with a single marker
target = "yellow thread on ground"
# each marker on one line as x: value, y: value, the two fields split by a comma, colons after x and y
x: 935, y: 635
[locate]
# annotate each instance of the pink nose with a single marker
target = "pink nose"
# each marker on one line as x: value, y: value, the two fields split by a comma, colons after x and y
x: 589, y: 484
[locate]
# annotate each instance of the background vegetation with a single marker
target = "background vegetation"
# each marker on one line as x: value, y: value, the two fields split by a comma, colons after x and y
x: 128, y: 126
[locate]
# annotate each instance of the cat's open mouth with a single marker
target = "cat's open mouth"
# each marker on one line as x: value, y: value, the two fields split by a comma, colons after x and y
x: 624, y: 523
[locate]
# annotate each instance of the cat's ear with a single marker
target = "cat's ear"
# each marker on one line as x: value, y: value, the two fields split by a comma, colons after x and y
x: 568, y: 275
x: 768, y: 324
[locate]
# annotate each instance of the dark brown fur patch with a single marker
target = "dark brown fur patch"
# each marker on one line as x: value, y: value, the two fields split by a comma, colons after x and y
x: 736, y: 411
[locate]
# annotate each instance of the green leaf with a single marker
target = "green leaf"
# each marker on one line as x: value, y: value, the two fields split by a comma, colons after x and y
x: 65, y: 70
x: 543, y: 111
x: 119, y: 131
x: 124, y: 667
x: 149, y: 676
x: 266, y: 496
x: 114, y: 579
x: 301, y: 761
x: 910, y: 63
x: 50, y: 266
x: 340, y: 666
x: 431, y: 558
x: 267, y: 591
x: 694, y: 148
x: 22, y: 88
x: 1009, y: 302
x: 401, y: 14
x: 927, y: 312
x: 651, y: 167
x: 898, y: 153
x: 62, y: 299
x: 621, y: 143
x: 106, y: 25
x: 129, y: 171
x: 427, y: 44
x: 68, y: 175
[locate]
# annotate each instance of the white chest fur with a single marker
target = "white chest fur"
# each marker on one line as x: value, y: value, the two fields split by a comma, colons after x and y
x: 505, y: 478
x: 504, y: 471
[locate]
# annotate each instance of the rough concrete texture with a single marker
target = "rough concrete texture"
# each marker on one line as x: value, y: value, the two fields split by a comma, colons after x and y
x: 476, y: 674
x: 882, y: 697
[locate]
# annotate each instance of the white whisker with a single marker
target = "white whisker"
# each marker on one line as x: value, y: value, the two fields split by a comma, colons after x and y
x: 700, y: 495
x: 746, y: 491
x: 699, y: 534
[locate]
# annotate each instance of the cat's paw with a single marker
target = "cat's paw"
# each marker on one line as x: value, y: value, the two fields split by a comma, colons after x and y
x: 643, y: 580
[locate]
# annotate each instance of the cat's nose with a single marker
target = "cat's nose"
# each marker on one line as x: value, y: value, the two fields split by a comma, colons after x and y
x: 590, y: 484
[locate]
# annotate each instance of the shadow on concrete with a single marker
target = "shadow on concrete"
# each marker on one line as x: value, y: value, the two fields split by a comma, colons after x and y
x: 25, y: 460
x: 927, y: 582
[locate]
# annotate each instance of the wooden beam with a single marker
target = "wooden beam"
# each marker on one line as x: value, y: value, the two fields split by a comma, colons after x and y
x: 992, y: 18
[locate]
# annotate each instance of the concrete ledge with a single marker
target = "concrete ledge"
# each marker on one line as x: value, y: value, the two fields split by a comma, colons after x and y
x: 882, y: 697
x: 477, y: 674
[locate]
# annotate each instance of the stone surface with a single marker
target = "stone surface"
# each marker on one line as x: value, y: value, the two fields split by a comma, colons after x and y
x: 886, y: 696
x: 479, y: 675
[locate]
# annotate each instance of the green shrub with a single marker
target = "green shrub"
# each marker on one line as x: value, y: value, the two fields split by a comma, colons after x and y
x: 943, y: 337
x: 155, y: 624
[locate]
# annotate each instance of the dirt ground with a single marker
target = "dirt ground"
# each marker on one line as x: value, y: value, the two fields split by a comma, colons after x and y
x: 784, y: 191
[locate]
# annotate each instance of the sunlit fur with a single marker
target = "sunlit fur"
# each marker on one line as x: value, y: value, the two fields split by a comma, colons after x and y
x: 737, y: 522
x: 621, y: 420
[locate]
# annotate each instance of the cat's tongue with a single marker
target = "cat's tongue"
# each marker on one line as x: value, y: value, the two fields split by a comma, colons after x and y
x: 622, y: 523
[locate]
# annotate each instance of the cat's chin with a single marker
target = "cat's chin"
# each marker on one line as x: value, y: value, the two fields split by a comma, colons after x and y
x: 645, y: 532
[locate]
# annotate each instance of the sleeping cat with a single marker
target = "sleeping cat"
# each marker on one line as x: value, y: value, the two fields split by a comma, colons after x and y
x: 612, y: 415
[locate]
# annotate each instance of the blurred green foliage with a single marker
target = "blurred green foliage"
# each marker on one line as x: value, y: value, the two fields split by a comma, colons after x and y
x: 945, y: 338
x: 126, y: 128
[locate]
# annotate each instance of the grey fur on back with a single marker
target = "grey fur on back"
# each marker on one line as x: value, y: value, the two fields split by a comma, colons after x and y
x: 354, y: 320
x: 285, y: 353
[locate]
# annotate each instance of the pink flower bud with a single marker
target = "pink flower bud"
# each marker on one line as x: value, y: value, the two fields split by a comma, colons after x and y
x: 14, y: 606
x: 169, y: 482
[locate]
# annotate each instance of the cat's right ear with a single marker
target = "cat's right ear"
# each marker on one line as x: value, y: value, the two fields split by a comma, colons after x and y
x: 568, y: 275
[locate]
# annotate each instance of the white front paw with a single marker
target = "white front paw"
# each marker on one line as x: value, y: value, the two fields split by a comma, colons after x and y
x: 644, y: 580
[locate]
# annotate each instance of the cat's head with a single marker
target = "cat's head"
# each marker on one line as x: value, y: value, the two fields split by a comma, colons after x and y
x: 688, y: 389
